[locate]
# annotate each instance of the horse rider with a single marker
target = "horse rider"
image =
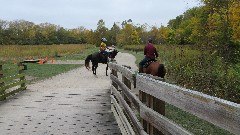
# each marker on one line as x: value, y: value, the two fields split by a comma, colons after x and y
x: 150, y: 53
x: 103, y: 46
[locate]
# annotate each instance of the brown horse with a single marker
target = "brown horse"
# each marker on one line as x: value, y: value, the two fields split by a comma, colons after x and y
x: 155, y: 69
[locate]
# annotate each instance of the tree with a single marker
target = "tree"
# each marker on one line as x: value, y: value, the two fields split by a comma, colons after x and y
x: 129, y: 21
x: 3, y: 31
x: 143, y: 33
x: 135, y: 38
x: 124, y: 24
x: 3, y: 25
x: 124, y: 38
x: 163, y: 34
x: 61, y: 35
x: 234, y: 19
x: 222, y: 11
x: 153, y: 33
x: 100, y: 32
x: 90, y: 36
x: 112, y: 34
x: 174, y: 23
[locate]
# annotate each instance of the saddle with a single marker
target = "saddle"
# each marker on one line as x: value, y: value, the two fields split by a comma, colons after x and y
x: 148, y: 63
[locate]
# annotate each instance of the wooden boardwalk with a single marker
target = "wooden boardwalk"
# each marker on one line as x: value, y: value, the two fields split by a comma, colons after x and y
x: 71, y: 103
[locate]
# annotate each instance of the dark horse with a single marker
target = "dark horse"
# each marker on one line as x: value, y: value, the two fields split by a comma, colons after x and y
x: 97, y: 57
x: 155, y: 68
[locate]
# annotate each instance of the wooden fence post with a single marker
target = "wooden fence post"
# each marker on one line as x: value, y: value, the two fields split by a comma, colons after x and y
x: 115, y: 74
x: 148, y: 103
x: 157, y: 105
x: 128, y: 84
x: 21, y: 68
x: 143, y: 99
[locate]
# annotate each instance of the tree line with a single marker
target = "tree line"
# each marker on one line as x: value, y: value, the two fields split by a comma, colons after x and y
x: 214, y: 24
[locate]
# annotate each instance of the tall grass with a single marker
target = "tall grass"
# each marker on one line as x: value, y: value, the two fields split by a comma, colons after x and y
x: 203, y: 70
x: 192, y: 67
x: 21, y: 52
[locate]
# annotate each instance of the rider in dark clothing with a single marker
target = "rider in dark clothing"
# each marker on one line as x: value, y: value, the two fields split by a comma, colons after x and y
x: 150, y: 53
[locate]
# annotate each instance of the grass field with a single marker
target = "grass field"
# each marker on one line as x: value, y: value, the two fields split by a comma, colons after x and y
x: 17, y: 53
x: 35, y: 72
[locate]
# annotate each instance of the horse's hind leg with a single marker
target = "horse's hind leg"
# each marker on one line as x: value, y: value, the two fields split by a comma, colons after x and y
x: 106, y: 70
x: 94, y: 69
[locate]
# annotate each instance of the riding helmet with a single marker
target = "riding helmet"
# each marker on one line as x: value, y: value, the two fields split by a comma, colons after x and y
x: 104, y: 40
x: 150, y: 40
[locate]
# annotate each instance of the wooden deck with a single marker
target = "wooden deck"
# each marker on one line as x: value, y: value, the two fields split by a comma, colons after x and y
x: 48, y: 114
x: 66, y: 104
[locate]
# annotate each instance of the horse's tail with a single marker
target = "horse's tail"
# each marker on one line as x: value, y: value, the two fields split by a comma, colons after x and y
x: 87, y: 60
x: 161, y: 71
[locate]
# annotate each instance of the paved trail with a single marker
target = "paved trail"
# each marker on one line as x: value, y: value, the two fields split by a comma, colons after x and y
x: 76, y: 102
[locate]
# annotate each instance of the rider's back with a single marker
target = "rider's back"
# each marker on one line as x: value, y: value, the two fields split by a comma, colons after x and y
x: 150, y: 51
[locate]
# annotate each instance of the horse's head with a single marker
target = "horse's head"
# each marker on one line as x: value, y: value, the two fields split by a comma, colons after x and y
x: 113, y: 54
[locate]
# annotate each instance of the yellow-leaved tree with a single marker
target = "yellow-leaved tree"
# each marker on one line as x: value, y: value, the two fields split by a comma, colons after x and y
x: 234, y: 18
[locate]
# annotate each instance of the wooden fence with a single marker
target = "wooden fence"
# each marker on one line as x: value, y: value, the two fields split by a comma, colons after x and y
x: 11, y: 80
x: 145, y: 114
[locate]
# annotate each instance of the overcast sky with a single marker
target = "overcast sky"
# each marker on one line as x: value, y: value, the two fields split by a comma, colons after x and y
x: 75, y: 13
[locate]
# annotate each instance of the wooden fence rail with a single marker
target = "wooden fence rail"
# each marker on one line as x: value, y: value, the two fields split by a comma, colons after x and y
x: 145, y: 114
x: 12, y: 81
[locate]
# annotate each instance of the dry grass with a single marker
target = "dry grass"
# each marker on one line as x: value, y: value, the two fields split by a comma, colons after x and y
x: 20, y: 52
